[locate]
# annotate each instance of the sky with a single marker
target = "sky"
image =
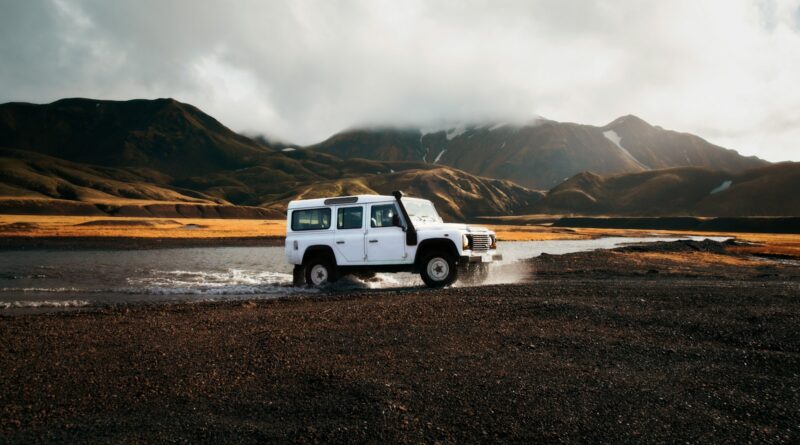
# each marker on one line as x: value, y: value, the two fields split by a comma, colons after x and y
x: 300, y: 71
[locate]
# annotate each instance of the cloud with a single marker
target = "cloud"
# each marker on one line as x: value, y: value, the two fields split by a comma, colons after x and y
x: 302, y: 70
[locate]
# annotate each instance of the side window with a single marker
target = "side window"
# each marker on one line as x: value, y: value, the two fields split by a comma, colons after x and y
x: 350, y: 218
x: 311, y: 219
x: 382, y: 215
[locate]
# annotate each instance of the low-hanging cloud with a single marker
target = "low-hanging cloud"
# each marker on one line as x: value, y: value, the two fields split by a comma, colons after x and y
x: 302, y: 70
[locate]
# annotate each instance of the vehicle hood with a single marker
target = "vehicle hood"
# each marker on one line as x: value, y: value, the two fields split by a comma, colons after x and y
x: 449, y: 226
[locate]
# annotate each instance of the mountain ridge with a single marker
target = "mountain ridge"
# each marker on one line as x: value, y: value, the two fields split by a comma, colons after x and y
x: 164, y: 156
x: 538, y: 154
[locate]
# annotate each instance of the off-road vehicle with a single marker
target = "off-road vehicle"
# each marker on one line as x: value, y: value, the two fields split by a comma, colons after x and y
x: 327, y: 238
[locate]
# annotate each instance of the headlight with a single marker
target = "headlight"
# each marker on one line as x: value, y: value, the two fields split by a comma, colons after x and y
x: 465, y: 242
x: 493, y: 244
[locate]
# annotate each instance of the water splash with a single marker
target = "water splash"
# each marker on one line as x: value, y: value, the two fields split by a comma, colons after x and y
x: 43, y: 304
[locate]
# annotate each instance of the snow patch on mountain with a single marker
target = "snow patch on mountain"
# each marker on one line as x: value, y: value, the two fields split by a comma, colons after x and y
x: 439, y: 156
x: 612, y: 136
x: 455, y: 132
x: 722, y: 187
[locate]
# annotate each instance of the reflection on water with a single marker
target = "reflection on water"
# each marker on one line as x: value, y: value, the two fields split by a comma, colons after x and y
x: 68, y: 279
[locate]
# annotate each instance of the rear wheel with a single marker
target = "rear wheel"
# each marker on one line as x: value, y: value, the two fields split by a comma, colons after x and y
x: 320, y: 271
x: 438, y: 269
x: 298, y: 275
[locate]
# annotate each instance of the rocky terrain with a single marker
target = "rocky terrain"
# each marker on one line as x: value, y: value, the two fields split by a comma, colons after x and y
x: 629, y: 351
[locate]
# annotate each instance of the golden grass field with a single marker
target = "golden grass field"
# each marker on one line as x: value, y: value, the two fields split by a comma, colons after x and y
x: 98, y: 226
x: 206, y: 228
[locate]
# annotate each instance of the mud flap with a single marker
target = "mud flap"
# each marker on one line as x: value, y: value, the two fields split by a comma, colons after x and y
x: 298, y: 276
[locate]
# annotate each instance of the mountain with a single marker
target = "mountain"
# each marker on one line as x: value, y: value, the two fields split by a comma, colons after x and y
x: 166, y: 158
x: 34, y: 183
x: 762, y: 191
x: 456, y: 194
x: 656, y: 148
x: 539, y: 154
x: 165, y: 135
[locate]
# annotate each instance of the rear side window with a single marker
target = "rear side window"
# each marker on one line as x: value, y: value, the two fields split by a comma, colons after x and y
x: 381, y: 215
x: 350, y: 218
x: 311, y: 219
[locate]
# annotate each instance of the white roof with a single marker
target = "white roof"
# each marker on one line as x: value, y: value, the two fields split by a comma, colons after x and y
x: 360, y: 199
x: 320, y: 202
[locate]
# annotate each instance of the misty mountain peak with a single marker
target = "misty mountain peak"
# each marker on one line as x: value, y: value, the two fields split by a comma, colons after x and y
x: 630, y: 122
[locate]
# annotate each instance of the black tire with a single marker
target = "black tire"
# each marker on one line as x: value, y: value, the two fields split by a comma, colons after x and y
x: 438, y: 269
x: 298, y: 276
x: 320, y: 271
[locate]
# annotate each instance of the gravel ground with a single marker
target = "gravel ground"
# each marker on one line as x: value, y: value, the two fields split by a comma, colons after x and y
x: 598, y: 358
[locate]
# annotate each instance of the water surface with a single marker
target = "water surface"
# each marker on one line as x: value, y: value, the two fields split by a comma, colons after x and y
x: 67, y: 279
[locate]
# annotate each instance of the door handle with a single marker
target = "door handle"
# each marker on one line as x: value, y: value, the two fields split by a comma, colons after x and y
x: 339, y: 242
x: 373, y: 241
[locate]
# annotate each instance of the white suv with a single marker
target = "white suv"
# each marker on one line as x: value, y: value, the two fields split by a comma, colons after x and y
x: 330, y: 237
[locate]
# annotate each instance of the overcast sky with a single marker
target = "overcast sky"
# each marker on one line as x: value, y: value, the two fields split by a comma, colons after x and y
x: 300, y: 71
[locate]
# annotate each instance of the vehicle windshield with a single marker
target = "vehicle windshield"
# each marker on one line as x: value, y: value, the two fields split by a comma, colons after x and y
x: 420, y: 210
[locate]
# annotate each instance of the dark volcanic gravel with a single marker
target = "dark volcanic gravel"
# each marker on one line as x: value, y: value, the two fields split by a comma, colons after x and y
x: 654, y: 359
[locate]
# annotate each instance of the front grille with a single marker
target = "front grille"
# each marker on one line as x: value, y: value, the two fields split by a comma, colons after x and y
x: 480, y: 242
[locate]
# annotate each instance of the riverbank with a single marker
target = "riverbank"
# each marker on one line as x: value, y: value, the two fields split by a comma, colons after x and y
x: 702, y: 352
x: 24, y: 230
x: 19, y: 232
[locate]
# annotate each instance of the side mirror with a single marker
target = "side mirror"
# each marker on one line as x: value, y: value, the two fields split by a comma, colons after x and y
x: 396, y: 220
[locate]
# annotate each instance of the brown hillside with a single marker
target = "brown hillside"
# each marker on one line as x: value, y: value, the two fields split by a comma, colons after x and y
x: 24, y: 174
x: 456, y: 194
x: 657, y: 148
x: 174, y: 138
x: 764, y: 191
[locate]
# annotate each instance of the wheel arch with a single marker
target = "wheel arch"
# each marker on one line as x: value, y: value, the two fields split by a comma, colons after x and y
x: 319, y: 249
x: 433, y: 244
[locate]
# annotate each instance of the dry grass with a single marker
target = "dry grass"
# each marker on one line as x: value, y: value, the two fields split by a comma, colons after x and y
x: 73, y: 226
x: 769, y: 244
x: 187, y: 228
x: 676, y: 259
x: 76, y: 226
x: 536, y: 233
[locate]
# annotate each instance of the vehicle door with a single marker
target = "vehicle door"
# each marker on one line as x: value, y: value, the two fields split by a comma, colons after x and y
x: 350, y: 233
x: 386, y: 241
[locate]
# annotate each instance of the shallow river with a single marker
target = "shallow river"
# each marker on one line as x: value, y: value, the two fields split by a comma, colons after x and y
x: 49, y: 279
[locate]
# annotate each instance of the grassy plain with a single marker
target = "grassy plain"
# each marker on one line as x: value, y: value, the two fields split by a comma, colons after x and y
x: 88, y: 227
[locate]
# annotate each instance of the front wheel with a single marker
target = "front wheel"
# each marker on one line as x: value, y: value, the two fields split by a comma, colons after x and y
x: 320, y: 271
x: 475, y: 274
x: 439, y: 270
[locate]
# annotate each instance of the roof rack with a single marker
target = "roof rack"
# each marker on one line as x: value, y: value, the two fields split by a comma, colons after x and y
x: 341, y: 200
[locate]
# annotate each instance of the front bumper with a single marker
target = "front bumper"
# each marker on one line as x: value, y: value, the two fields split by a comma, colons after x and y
x: 485, y: 258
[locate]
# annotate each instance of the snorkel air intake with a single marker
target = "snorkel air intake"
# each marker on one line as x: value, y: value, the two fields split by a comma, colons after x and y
x: 411, y: 232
